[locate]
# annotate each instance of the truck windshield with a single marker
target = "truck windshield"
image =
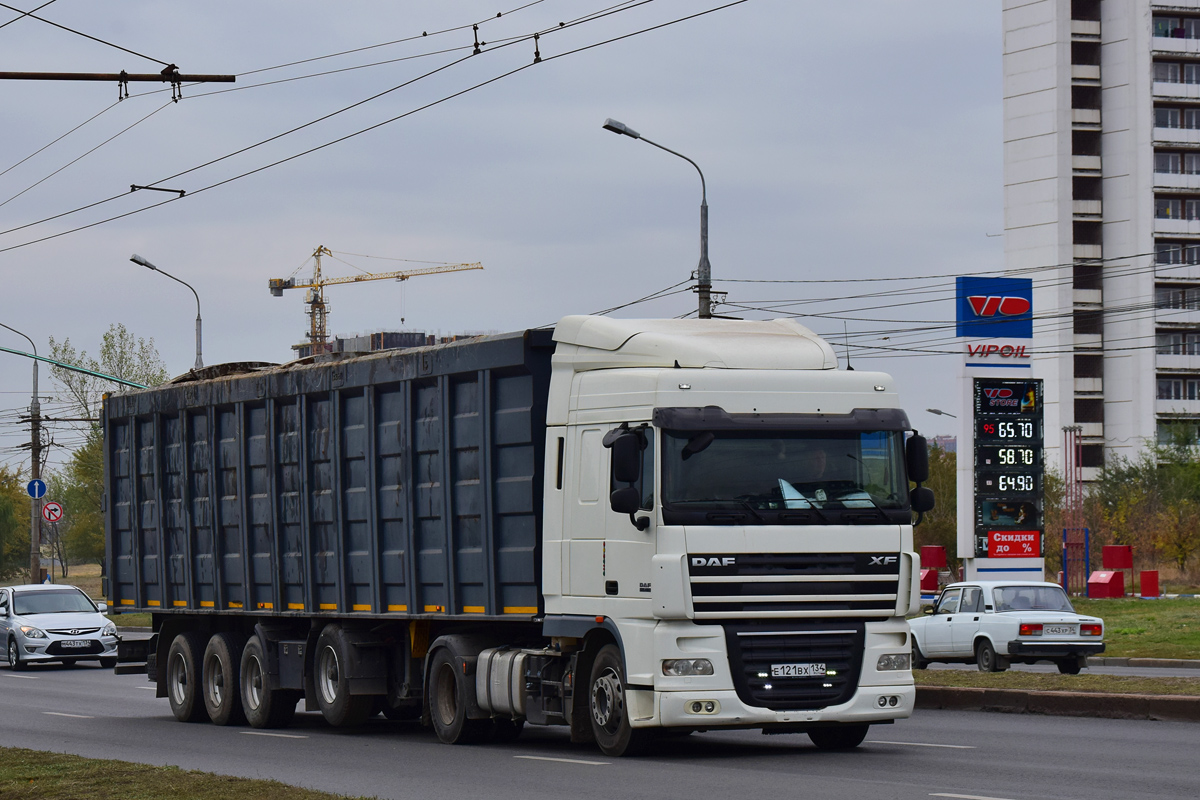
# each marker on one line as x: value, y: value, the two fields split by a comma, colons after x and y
x: 784, y: 477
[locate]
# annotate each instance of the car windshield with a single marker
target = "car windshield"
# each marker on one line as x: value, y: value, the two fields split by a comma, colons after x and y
x: 56, y: 601
x: 784, y: 477
x: 1032, y: 598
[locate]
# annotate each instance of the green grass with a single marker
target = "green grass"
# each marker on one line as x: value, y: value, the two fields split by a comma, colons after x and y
x: 1147, y: 628
x: 56, y: 776
x: 1105, y: 684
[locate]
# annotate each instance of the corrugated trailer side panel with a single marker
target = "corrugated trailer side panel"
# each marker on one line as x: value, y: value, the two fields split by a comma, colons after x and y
x: 403, y: 483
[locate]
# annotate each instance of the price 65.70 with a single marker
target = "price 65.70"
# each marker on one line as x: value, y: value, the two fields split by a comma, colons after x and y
x: 1009, y: 431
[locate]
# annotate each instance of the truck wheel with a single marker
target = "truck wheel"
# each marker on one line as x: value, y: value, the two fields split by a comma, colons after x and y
x: 1071, y: 666
x: 919, y: 661
x: 14, y: 656
x: 264, y: 708
x: 340, y: 708
x: 986, y: 658
x: 448, y: 703
x: 222, y: 694
x: 608, y: 708
x: 108, y: 662
x: 844, y: 737
x: 184, y: 668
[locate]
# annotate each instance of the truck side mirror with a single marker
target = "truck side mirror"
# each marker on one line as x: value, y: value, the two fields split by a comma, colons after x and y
x: 627, y: 458
x: 916, y: 456
x: 627, y: 500
x: 921, y: 499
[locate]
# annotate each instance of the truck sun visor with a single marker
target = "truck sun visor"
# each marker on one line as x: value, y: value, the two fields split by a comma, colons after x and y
x: 715, y: 418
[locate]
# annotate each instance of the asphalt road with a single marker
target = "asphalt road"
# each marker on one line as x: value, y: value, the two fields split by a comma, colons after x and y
x: 91, y: 712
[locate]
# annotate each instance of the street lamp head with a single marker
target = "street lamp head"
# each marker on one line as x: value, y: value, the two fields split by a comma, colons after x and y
x: 941, y: 413
x: 611, y: 124
x: 135, y: 258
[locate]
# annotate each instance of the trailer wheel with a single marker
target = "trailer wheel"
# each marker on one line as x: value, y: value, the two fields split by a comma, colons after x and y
x: 340, y: 708
x: 608, y: 707
x: 845, y: 737
x: 222, y: 694
x: 448, y: 703
x: 184, y: 668
x: 265, y: 708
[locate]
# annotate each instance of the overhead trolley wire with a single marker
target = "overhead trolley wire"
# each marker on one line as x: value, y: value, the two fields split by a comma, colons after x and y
x: 31, y: 15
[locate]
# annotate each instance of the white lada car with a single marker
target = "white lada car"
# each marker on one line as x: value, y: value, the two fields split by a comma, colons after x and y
x: 46, y: 622
x: 997, y: 623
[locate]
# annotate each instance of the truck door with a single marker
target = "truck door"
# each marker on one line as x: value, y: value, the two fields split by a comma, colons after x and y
x: 937, y: 630
x: 966, y: 622
x: 586, y: 514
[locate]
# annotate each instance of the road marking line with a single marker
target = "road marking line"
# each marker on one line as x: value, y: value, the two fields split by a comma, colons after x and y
x: 567, y: 760
x: 25, y: 677
x: 61, y: 714
x: 277, y: 735
x: 149, y: 688
x: 966, y: 796
x: 926, y: 744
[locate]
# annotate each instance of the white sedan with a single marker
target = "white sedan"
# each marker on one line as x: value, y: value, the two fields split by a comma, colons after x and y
x: 47, y: 622
x: 997, y: 623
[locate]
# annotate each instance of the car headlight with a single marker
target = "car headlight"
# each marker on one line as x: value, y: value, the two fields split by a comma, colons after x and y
x: 892, y: 661
x: 678, y: 667
x: 32, y: 632
x: 109, y: 630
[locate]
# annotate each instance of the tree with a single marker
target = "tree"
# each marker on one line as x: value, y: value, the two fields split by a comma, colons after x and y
x: 122, y: 355
x: 940, y: 526
x: 14, y: 524
x: 82, y: 483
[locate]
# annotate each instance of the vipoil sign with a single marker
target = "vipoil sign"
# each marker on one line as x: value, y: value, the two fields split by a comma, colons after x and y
x: 995, y: 309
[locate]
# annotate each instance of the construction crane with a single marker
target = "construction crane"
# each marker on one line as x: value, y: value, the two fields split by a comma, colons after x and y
x: 318, y: 311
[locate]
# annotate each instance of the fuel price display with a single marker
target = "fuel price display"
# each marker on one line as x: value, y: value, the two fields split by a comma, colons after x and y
x: 1009, y: 468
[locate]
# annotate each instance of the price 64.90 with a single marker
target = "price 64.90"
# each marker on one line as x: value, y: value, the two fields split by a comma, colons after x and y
x: 1015, y: 430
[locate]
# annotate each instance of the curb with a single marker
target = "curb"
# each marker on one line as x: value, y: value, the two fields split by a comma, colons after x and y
x: 1166, y: 663
x: 1175, y: 708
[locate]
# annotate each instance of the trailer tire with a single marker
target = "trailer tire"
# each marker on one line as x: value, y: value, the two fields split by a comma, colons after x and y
x: 340, y: 708
x: 844, y: 737
x: 608, y: 708
x: 264, y: 707
x: 222, y: 684
x: 185, y: 665
x: 448, y: 703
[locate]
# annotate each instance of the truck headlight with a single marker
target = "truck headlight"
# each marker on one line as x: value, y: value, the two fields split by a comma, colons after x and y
x: 892, y: 661
x: 32, y: 632
x: 678, y: 667
x: 109, y: 630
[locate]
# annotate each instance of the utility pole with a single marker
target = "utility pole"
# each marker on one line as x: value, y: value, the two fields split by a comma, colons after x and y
x: 35, y: 450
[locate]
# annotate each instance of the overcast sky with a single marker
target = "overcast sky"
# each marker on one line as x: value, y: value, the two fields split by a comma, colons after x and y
x: 839, y: 140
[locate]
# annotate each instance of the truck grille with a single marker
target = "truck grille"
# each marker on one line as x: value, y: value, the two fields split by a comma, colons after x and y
x: 753, y: 649
x: 821, y: 585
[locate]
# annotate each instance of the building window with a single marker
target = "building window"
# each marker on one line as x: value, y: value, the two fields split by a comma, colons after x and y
x: 1175, y: 343
x: 1176, y: 253
x: 1179, y: 388
x: 1166, y: 73
x: 1176, y: 297
x: 1168, y: 208
x: 1177, y: 27
x: 1191, y: 163
x: 1191, y: 73
x: 1168, y: 162
x: 1167, y: 117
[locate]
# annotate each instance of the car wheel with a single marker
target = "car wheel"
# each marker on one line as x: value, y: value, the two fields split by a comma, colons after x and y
x: 843, y: 737
x: 108, y: 662
x: 986, y: 659
x: 14, y: 656
x: 185, y: 665
x: 919, y: 661
x: 608, y: 706
x: 1071, y: 666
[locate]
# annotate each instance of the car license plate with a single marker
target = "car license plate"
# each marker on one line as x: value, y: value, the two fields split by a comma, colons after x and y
x: 68, y: 644
x: 1058, y: 630
x: 797, y: 670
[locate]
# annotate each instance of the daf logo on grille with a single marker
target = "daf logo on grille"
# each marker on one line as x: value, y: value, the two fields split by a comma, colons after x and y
x: 879, y: 561
x: 700, y: 561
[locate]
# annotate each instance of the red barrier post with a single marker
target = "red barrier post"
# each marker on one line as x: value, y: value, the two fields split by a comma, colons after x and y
x: 1150, y: 583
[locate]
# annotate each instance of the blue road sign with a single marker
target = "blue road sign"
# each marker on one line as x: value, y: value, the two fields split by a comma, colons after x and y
x: 36, y: 489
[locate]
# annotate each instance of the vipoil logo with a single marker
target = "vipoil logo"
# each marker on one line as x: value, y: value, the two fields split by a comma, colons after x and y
x: 995, y: 308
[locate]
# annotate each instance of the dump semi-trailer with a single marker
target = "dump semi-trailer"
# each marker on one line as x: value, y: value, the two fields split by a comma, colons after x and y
x: 619, y: 526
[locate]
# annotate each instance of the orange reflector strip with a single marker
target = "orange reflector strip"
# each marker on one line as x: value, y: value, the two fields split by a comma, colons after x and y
x: 206, y: 603
x: 266, y: 605
x: 126, y: 602
x: 152, y: 603
x: 180, y: 603
x: 328, y: 606
x: 295, y: 606
x: 434, y: 609
x: 234, y: 605
x: 360, y: 607
x: 397, y: 608
x: 473, y: 609
x: 520, y: 609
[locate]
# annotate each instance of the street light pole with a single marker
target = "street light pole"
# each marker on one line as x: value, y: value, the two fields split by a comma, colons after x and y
x: 135, y: 258
x: 704, y: 270
x: 35, y: 469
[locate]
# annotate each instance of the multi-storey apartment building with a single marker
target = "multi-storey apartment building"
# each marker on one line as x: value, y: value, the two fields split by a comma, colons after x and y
x: 1102, y: 177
